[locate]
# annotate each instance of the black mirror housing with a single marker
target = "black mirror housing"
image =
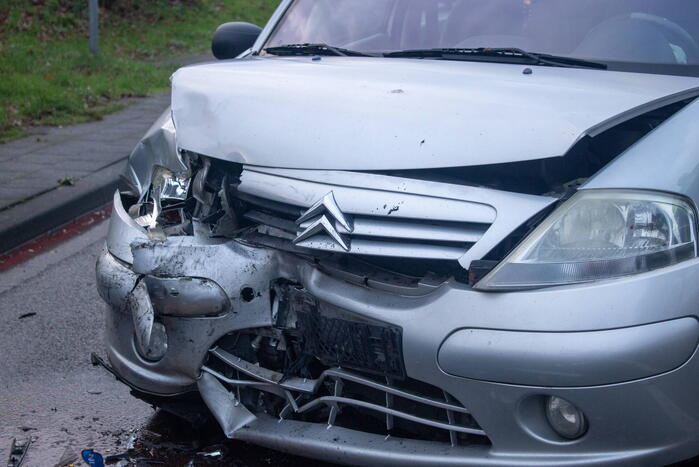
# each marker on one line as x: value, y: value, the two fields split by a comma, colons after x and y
x: 232, y: 39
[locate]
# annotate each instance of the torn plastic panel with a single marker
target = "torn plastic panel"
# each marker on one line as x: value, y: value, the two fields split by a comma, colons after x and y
x: 230, y: 414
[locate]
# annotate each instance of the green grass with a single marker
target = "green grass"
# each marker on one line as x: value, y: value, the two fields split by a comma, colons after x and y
x: 47, y: 76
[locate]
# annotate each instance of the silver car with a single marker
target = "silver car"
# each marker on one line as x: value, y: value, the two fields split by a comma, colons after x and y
x: 424, y: 232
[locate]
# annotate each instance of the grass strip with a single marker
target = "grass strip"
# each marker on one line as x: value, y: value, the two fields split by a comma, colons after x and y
x: 48, y: 77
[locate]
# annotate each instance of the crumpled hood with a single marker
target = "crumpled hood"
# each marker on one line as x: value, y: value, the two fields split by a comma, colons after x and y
x: 375, y: 114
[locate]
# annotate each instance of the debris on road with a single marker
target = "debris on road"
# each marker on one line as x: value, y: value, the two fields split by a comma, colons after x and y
x: 131, y: 443
x: 168, y: 440
x: 27, y: 315
x: 67, y: 181
x: 69, y: 457
x: 214, y: 452
x: 92, y: 458
x: 118, y: 459
x: 18, y: 450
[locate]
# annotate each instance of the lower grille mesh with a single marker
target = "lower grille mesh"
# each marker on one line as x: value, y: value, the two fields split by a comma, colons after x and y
x: 319, y: 363
x: 343, y: 398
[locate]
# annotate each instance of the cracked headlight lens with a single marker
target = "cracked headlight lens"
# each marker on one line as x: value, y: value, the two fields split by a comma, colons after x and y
x: 600, y: 234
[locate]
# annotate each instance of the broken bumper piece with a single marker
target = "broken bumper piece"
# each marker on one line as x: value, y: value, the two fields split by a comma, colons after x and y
x: 289, y: 355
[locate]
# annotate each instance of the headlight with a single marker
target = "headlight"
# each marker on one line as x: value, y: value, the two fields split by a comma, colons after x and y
x: 600, y: 234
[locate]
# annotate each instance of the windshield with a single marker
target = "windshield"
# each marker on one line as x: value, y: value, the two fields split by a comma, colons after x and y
x: 646, y: 35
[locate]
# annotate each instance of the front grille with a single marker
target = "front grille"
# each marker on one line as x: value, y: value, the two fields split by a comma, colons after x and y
x: 380, y: 221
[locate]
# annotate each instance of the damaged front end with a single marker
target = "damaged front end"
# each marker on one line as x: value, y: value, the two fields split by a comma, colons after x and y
x: 214, y: 273
x: 211, y: 286
x: 312, y: 310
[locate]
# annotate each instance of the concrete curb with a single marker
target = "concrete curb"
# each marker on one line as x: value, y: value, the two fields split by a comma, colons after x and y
x: 57, y: 207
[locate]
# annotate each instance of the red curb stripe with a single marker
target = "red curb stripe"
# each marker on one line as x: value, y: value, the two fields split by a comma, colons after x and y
x: 55, y: 237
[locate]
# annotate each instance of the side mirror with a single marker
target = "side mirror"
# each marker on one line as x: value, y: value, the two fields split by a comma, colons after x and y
x: 232, y: 39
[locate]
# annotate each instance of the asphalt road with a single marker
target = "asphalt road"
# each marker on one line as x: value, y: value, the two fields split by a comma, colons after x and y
x: 52, y: 318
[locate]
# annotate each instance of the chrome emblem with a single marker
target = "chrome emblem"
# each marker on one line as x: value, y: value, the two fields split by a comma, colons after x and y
x: 323, y: 217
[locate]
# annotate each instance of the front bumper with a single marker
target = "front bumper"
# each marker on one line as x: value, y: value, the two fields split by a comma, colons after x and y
x: 640, y: 402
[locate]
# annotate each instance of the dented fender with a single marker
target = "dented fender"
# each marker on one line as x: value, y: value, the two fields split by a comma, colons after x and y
x: 158, y: 147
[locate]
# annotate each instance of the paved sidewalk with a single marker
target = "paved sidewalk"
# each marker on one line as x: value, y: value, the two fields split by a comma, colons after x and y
x: 35, y: 165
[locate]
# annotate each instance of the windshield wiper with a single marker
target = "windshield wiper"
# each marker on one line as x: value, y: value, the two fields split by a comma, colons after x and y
x: 500, y: 55
x: 313, y: 49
